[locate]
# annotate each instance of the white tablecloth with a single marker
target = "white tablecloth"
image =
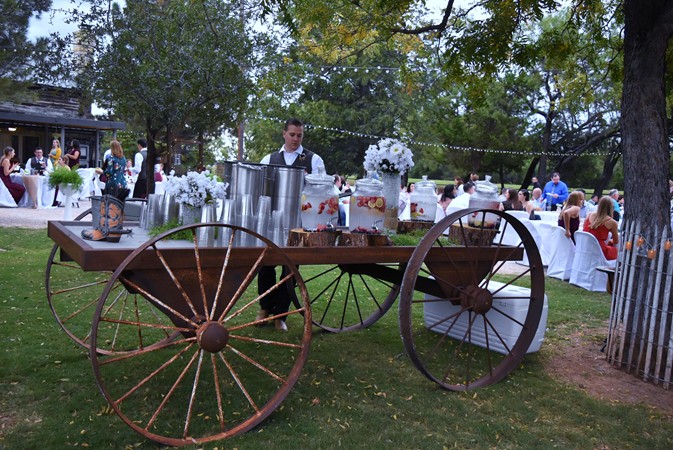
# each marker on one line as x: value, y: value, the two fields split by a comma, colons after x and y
x: 37, y: 189
x: 548, y: 216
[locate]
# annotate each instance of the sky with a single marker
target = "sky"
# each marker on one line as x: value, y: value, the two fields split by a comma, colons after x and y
x: 53, y: 20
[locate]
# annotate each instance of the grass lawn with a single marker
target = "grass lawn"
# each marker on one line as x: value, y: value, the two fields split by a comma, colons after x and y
x: 357, y: 390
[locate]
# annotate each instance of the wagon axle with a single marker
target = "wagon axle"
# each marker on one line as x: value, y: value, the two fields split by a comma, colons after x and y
x: 477, y: 299
x: 212, y: 336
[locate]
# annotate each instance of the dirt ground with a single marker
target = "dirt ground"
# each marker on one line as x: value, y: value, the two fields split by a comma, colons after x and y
x: 581, y: 364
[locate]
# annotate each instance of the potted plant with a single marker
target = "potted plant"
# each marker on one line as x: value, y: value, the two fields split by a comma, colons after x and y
x: 69, y: 182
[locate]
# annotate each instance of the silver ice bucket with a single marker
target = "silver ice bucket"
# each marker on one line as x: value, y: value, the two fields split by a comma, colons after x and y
x: 288, y: 183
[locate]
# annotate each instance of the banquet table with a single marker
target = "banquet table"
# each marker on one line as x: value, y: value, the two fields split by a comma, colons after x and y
x: 38, y: 193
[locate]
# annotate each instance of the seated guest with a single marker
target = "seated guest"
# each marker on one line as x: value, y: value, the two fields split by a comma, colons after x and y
x: 617, y: 213
x: 569, y: 218
x: 445, y: 200
x: 526, y: 204
x: 6, y: 168
x: 458, y: 182
x: 601, y: 224
x: 511, y: 202
x: 463, y: 200
x: 38, y: 164
x: 539, y: 202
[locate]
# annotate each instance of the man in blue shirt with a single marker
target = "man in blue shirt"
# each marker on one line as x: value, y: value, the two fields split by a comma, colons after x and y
x: 555, y: 191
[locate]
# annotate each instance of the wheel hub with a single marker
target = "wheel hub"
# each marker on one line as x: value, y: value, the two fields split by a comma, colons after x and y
x: 212, y: 337
x: 477, y: 299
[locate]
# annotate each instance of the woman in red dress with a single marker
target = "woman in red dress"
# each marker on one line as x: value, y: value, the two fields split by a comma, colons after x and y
x: 600, y: 224
x: 15, y: 189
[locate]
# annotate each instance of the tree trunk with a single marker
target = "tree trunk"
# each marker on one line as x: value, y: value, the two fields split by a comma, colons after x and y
x: 199, y: 163
x: 648, y: 26
x: 151, y: 156
x: 546, y: 146
x: 529, y: 173
x: 608, y: 169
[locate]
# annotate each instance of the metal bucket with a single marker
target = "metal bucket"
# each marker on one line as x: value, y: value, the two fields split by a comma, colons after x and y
x: 225, y: 170
x: 247, y: 179
x: 288, y: 183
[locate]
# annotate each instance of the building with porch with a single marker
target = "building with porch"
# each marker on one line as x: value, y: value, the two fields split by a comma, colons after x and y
x: 49, y: 113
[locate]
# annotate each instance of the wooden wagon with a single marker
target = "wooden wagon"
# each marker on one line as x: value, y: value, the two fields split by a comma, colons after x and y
x: 170, y: 323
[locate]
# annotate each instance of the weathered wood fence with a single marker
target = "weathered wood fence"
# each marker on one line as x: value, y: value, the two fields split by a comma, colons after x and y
x: 639, y: 337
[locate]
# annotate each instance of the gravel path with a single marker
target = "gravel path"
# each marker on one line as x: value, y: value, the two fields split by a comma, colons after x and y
x: 37, y: 218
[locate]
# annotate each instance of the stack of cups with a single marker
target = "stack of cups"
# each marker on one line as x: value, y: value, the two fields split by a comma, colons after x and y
x: 154, y: 211
x: 228, y: 217
x: 277, y: 228
x: 206, y: 235
x: 143, y: 216
x: 263, y: 217
x: 246, y: 219
x: 170, y: 208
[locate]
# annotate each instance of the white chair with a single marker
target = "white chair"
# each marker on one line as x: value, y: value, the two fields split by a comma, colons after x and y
x: 90, y: 185
x: 532, y: 229
x: 588, y: 256
x: 6, y: 199
x: 508, y: 234
x: 561, y: 253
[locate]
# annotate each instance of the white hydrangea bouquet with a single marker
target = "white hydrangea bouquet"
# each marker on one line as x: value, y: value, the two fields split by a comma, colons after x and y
x: 388, y: 155
x: 196, y: 189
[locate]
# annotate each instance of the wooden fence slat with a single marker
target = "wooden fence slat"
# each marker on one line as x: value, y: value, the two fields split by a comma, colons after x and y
x: 664, y: 319
x: 657, y: 267
x: 640, y: 333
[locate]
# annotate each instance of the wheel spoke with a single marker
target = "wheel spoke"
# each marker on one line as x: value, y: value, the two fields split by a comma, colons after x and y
x: 350, y: 297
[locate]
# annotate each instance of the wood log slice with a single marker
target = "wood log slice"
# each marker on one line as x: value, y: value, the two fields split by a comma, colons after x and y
x: 300, y: 238
x: 363, y: 240
x: 475, y: 237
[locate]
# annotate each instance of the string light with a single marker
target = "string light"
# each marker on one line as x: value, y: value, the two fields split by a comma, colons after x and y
x: 441, y: 146
x: 651, y: 250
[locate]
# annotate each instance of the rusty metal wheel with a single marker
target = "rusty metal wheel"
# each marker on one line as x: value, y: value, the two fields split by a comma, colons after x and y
x: 225, y: 373
x: 482, y: 315
x: 350, y: 297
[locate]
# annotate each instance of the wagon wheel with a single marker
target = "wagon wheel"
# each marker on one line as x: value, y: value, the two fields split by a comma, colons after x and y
x: 472, y: 330
x: 225, y: 373
x: 73, y: 294
x: 349, y: 297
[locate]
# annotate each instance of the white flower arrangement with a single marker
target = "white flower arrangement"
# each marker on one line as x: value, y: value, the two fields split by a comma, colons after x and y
x: 388, y: 155
x: 195, y: 189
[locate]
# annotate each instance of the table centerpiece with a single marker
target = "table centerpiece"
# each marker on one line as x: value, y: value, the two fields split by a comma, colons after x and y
x: 390, y: 158
x: 193, y: 192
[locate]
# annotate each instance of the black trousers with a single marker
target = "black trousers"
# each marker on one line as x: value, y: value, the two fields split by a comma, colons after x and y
x: 277, y: 301
x: 140, y: 189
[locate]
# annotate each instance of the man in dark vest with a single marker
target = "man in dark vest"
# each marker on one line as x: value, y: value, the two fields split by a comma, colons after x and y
x: 139, y: 162
x: 291, y: 154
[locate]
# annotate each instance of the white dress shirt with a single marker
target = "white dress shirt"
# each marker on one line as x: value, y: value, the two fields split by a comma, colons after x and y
x: 290, y: 157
